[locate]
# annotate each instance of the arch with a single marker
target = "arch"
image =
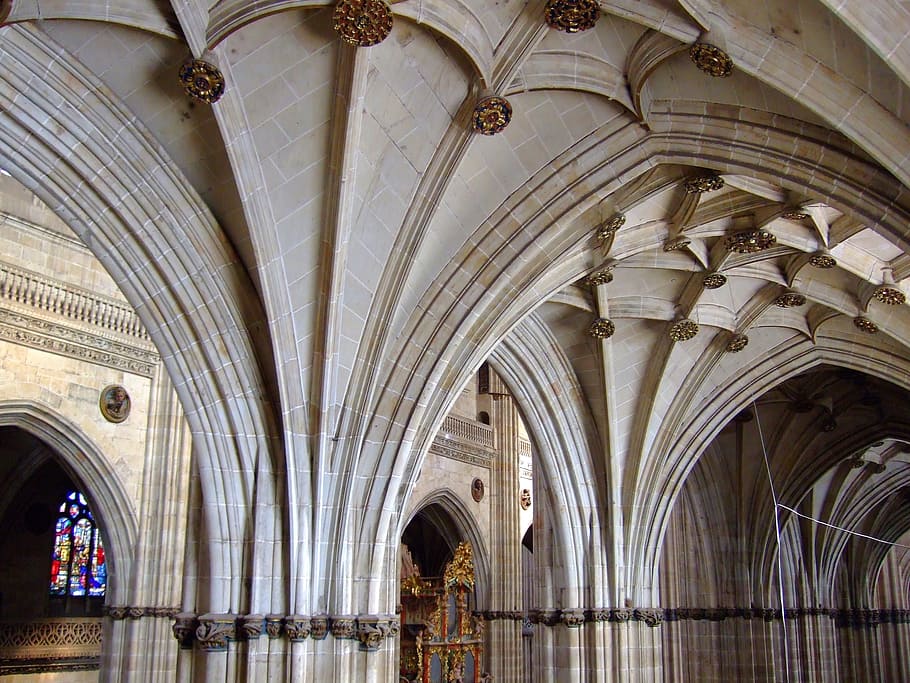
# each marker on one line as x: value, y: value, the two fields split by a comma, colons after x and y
x: 89, y: 467
x: 654, y: 503
x: 464, y: 526
x: 521, y: 270
x: 158, y: 240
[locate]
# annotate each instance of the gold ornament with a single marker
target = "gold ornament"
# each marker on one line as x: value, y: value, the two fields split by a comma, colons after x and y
x: 572, y: 16
x: 823, y: 260
x: 601, y: 277
x: 460, y: 571
x: 712, y: 60
x: 677, y: 244
x: 202, y: 81
x: 795, y: 215
x: 363, y: 22
x: 889, y: 295
x: 737, y: 343
x: 491, y: 115
x: 683, y: 330
x: 714, y: 280
x: 750, y: 241
x: 790, y: 300
x: 602, y: 328
x: 610, y: 227
x: 709, y: 182
x: 865, y: 325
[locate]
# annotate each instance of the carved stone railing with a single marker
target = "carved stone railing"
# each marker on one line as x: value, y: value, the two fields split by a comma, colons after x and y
x: 464, y: 440
x: 467, y: 430
x: 524, y: 448
x: 79, y: 305
x: 50, y: 645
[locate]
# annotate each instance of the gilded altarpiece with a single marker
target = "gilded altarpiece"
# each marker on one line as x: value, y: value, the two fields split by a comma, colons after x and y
x: 441, y: 640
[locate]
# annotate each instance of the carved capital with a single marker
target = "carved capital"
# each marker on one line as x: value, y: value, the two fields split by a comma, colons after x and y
x: 620, y: 615
x: 343, y: 626
x: 298, y: 627
x: 116, y: 612
x: 183, y: 628
x: 573, y: 618
x: 135, y: 612
x: 251, y: 626
x: 319, y: 627
x: 371, y: 631
x: 273, y: 625
x: 215, y: 630
x: 650, y: 616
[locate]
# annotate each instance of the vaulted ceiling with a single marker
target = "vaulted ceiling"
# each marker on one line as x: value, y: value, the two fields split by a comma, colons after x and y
x: 384, y: 248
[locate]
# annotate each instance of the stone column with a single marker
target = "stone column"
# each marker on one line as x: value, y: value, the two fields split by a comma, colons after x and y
x: 503, y: 649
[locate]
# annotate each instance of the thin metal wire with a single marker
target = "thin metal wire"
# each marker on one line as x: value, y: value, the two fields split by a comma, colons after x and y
x: 780, y: 561
x: 840, y: 528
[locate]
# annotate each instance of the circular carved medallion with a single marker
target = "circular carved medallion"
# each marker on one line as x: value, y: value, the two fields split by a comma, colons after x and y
x: 602, y: 328
x: 865, y: 325
x: 114, y: 403
x: 737, y: 343
x: 491, y: 115
x: 709, y: 182
x: 712, y: 60
x: 572, y: 16
x: 477, y: 490
x: 683, y: 330
x: 363, y: 22
x: 790, y: 300
x: 202, y: 81
x: 524, y: 499
x: 714, y: 280
x: 889, y: 295
x: 750, y: 241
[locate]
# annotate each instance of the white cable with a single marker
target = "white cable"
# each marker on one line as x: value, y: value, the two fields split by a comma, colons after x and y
x: 780, y: 561
x: 840, y: 528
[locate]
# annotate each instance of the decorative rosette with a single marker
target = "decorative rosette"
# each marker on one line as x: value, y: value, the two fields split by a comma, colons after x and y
x: 750, y: 241
x: 572, y: 16
x: 889, y: 295
x: 609, y: 228
x: 790, y: 300
x: 737, y: 343
x: 601, y: 277
x: 602, y: 328
x: 714, y: 280
x: 712, y: 60
x: 683, y: 330
x: 708, y: 182
x: 677, y: 244
x: 202, y: 81
x: 865, y: 325
x: 491, y: 115
x: 363, y: 22
x: 823, y: 260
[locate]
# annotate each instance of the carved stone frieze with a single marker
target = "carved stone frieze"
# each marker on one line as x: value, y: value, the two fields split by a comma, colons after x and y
x: 118, y: 612
x: 650, y: 616
x: 68, y: 341
x: 456, y: 450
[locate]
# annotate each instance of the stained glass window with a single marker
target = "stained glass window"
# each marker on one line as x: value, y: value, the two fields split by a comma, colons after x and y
x: 78, y: 566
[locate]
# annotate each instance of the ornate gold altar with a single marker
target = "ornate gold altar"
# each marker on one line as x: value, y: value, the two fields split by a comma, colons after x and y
x: 441, y: 640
